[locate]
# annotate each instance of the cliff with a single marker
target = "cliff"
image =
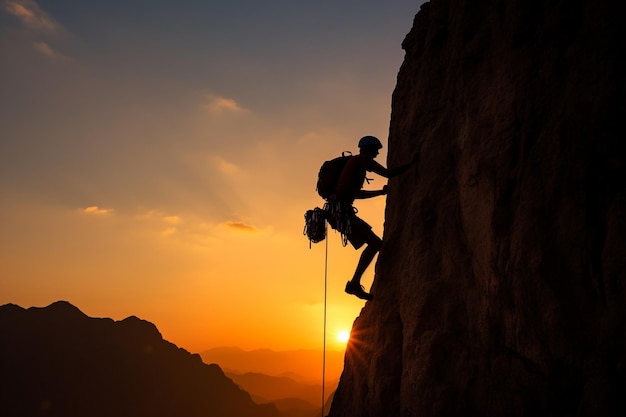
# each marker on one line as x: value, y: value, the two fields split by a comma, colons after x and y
x: 56, y: 361
x: 500, y: 287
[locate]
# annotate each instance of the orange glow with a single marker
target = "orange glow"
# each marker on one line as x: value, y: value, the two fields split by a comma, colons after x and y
x: 202, y: 285
x: 176, y: 192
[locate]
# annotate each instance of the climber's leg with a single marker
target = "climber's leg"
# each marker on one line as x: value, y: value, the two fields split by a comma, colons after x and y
x: 361, y: 233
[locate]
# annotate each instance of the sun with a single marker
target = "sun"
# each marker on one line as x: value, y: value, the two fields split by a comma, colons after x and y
x: 343, y: 336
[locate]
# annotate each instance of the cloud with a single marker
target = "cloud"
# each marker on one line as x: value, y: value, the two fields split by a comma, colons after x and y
x: 220, y: 105
x: 223, y: 166
x: 171, y: 219
x: 155, y: 220
x: 32, y: 16
x: 150, y: 214
x: 168, y: 232
x: 95, y: 210
x: 159, y: 215
x: 45, y: 49
x: 37, y: 23
x: 241, y: 227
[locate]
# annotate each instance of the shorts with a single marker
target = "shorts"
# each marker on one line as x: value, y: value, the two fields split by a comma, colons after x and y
x: 360, y: 232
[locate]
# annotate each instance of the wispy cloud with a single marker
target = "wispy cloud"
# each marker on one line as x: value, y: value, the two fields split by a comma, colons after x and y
x: 95, y: 210
x: 221, y: 105
x: 32, y: 16
x: 45, y: 49
x: 224, y: 166
x: 157, y: 218
x: 37, y: 24
x: 171, y: 219
x: 241, y: 227
x: 168, y: 232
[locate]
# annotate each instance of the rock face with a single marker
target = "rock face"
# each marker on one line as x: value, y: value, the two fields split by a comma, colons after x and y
x: 500, y: 288
x: 56, y: 361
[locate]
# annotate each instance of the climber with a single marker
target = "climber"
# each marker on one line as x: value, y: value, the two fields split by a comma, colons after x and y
x: 348, y: 188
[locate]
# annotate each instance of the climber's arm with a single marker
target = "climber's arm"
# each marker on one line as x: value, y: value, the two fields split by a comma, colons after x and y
x: 392, y: 172
x: 362, y: 194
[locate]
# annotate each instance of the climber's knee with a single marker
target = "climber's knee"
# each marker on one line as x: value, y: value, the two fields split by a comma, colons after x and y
x: 375, y: 243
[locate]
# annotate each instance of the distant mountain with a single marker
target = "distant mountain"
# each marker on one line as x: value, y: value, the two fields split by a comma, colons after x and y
x: 289, y: 379
x: 301, y: 365
x: 56, y: 361
x: 273, y: 388
x: 295, y: 407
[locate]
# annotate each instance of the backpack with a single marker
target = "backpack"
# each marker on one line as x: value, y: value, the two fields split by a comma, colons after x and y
x: 329, y: 173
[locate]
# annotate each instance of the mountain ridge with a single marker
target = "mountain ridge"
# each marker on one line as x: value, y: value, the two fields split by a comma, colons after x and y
x: 58, y: 360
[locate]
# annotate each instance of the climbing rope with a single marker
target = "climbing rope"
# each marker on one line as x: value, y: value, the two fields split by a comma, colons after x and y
x: 315, y: 225
x: 324, y: 344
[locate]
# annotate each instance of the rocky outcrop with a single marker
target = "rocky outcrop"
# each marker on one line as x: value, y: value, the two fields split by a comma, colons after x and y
x: 56, y: 361
x: 500, y: 288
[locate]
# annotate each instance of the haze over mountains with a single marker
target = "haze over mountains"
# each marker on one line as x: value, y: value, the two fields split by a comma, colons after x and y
x: 302, y: 365
x: 292, y: 398
x: 60, y: 362
x: 291, y: 380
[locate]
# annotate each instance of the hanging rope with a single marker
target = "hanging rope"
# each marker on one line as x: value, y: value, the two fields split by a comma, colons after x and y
x: 324, y: 344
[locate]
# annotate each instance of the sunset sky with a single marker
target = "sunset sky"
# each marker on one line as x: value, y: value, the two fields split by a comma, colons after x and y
x: 157, y: 158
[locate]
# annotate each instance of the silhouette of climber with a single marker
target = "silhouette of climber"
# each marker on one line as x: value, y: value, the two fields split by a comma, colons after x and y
x: 349, y: 188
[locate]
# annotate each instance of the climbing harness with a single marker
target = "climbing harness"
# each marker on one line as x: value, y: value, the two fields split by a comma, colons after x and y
x: 339, y: 217
x: 336, y: 213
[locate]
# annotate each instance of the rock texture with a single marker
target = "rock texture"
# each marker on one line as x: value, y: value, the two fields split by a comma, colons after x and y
x: 500, y: 288
x: 56, y: 361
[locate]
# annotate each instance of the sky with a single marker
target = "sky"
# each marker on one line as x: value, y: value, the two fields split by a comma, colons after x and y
x: 157, y: 158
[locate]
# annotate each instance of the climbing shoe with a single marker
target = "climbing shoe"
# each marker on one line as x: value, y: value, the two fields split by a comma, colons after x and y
x: 357, y: 289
